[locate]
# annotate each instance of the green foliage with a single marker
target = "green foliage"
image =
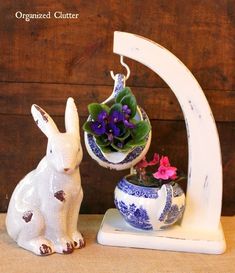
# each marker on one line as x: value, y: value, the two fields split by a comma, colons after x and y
x: 102, y: 141
x: 129, y: 136
x: 130, y: 101
x: 105, y: 107
x: 94, y: 110
x: 87, y: 127
x: 116, y: 107
x: 141, y: 130
x: 126, y: 91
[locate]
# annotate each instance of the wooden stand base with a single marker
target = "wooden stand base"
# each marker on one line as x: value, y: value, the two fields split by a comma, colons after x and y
x: 114, y: 231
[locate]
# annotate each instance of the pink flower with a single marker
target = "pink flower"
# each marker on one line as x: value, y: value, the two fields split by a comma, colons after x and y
x: 165, y: 161
x: 155, y: 160
x: 142, y: 164
x: 166, y: 172
x: 174, y: 177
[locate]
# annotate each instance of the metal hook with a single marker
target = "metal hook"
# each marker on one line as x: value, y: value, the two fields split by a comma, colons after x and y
x: 125, y: 65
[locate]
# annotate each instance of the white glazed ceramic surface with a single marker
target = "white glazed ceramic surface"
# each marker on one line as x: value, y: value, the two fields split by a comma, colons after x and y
x: 44, y: 207
x: 149, y: 208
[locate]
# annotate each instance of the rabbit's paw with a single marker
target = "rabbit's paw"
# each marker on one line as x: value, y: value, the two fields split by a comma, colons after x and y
x: 39, y: 246
x: 69, y: 248
x: 45, y: 249
x: 64, y: 246
x: 78, y: 240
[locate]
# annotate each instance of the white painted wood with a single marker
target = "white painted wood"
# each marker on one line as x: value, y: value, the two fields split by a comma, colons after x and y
x: 204, y: 189
x: 200, y: 229
x: 115, y: 231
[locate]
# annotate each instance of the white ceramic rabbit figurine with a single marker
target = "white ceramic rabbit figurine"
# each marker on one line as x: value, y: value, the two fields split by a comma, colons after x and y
x: 44, y: 207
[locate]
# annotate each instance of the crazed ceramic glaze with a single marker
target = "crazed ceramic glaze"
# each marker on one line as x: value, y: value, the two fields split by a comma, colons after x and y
x: 149, y: 208
x: 43, y: 211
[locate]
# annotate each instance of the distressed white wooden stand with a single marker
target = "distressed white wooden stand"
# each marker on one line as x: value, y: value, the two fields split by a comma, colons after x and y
x: 200, y: 229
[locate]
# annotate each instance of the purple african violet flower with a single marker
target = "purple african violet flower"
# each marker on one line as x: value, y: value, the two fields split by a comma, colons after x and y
x: 103, y: 115
x: 98, y: 127
x: 112, y: 130
x: 115, y: 116
x: 126, y: 110
x: 120, y: 145
x: 129, y: 124
x: 110, y: 137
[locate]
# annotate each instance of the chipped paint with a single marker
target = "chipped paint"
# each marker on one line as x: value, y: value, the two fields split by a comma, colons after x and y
x: 45, y: 249
x: 205, y: 185
x: 43, y: 113
x: 27, y: 216
x: 69, y: 248
x: 60, y: 195
x: 191, y: 105
x: 195, y: 109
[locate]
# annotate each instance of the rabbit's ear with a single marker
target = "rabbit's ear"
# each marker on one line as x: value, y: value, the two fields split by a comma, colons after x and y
x: 43, y: 121
x: 71, y: 117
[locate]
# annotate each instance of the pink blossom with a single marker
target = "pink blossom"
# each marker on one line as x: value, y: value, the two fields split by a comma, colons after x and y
x: 165, y: 161
x: 142, y: 164
x: 165, y: 172
x: 155, y: 160
x: 174, y: 177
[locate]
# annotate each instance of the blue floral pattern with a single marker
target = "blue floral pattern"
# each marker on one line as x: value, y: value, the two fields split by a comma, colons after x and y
x: 132, y: 202
x: 135, y: 216
x: 95, y: 149
x: 174, y: 213
x: 177, y: 191
x: 168, y: 203
x: 120, y: 84
x: 138, y: 191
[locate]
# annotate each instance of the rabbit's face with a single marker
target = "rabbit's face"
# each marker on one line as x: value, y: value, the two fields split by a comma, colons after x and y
x: 64, y: 152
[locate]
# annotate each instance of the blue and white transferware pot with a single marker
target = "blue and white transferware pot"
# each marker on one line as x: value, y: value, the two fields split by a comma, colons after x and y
x: 118, y: 160
x: 149, y: 208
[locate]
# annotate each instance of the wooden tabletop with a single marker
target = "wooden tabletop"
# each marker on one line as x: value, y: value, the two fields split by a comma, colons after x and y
x: 97, y: 258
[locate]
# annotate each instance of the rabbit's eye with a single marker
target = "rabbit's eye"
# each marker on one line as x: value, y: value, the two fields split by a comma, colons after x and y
x: 51, y: 151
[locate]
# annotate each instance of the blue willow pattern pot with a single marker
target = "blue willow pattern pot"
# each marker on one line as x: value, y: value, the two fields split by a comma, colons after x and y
x: 149, y: 208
